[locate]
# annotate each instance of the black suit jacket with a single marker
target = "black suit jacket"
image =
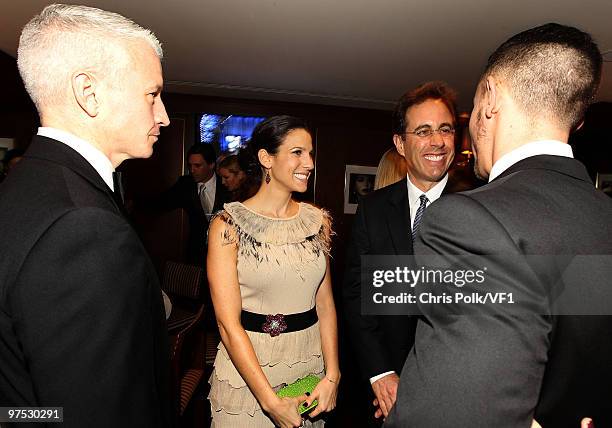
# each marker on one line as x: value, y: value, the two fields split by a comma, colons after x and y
x: 381, y: 227
x: 503, y: 370
x: 82, y: 321
x: 184, y: 194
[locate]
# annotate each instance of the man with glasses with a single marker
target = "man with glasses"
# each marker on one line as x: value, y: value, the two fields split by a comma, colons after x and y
x: 546, y: 234
x: 386, y: 223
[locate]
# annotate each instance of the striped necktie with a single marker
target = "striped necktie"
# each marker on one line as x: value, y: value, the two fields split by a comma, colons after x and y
x: 204, y: 200
x: 419, y: 215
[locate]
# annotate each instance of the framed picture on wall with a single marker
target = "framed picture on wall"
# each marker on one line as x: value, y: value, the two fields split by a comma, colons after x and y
x: 604, y: 183
x: 358, y: 182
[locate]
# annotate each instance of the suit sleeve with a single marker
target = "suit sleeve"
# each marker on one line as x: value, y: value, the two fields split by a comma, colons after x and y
x: 364, y: 330
x: 481, y: 369
x: 91, y: 323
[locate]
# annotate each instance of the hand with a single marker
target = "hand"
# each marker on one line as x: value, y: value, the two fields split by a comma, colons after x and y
x: 284, y: 412
x: 584, y: 423
x: 385, y: 390
x: 325, y: 392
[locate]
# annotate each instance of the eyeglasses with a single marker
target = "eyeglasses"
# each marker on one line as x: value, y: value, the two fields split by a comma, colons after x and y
x: 426, y: 132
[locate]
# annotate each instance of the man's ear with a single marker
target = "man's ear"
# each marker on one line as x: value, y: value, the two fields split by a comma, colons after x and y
x: 265, y: 159
x: 492, y: 97
x: 399, y: 144
x: 84, y: 88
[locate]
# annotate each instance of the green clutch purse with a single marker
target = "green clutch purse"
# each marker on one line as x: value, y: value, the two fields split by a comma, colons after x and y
x: 301, y: 386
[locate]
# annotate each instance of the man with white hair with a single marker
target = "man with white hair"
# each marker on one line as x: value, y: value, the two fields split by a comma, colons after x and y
x: 81, y: 315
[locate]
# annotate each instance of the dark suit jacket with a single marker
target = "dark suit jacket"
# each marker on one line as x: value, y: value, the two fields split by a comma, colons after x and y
x: 82, y: 321
x: 381, y: 227
x: 184, y: 194
x: 500, y: 370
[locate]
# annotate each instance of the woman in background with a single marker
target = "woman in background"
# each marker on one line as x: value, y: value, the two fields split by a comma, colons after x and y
x: 391, y: 169
x: 235, y: 179
x: 231, y: 174
x: 268, y: 271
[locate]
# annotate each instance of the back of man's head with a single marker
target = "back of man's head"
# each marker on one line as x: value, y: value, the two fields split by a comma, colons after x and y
x: 63, y: 39
x: 552, y: 72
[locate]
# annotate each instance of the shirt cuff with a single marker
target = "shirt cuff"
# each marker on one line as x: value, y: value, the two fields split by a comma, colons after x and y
x: 380, y: 376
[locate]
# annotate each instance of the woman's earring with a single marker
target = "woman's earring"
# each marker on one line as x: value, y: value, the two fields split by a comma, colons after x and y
x: 268, y: 178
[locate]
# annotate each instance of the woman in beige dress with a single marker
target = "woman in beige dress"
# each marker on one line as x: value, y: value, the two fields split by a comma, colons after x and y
x: 268, y: 270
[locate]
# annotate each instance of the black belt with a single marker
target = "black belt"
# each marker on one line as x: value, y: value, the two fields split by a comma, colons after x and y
x: 279, y: 323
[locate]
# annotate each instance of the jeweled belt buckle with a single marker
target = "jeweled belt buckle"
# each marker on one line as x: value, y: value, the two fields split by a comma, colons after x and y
x: 274, y: 325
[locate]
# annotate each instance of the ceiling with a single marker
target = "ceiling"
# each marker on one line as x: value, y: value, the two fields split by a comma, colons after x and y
x: 362, y: 53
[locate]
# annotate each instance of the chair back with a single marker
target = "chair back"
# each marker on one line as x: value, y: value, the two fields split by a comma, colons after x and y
x: 182, y: 280
x: 187, y: 361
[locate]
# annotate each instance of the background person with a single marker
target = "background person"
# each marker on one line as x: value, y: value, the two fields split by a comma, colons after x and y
x: 391, y: 169
x: 200, y: 194
x: 236, y: 180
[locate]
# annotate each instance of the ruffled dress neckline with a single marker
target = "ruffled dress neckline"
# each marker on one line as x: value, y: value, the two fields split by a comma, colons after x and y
x: 302, y: 226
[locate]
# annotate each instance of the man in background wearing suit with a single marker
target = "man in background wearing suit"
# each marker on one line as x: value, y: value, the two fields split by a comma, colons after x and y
x: 385, y: 223
x: 200, y: 194
x: 82, y: 322
x: 549, y: 358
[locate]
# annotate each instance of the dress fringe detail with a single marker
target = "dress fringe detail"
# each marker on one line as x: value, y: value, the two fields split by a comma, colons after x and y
x: 311, y: 224
x: 297, y: 240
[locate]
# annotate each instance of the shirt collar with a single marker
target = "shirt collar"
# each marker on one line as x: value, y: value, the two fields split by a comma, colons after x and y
x: 414, y: 193
x: 95, y: 157
x: 211, y: 183
x: 534, y: 148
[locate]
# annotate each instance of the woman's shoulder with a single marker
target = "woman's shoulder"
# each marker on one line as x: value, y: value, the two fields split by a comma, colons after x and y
x: 322, y: 230
x: 319, y: 215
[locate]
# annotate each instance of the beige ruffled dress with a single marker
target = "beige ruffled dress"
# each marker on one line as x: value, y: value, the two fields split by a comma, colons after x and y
x: 281, y: 263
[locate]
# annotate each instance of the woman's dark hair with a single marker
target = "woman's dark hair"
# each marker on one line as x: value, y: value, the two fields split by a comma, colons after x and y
x: 267, y: 135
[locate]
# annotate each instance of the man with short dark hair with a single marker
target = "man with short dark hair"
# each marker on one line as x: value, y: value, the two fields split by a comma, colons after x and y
x: 82, y: 323
x: 548, y: 355
x: 385, y: 224
x: 200, y: 194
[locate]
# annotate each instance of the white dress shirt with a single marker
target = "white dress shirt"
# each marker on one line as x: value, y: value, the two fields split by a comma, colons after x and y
x: 534, y: 148
x: 95, y: 157
x: 414, y: 199
x: 210, y: 187
x: 414, y: 196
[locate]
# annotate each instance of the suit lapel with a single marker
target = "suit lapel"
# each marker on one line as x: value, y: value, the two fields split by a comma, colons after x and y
x: 398, y: 218
x: 194, y: 196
